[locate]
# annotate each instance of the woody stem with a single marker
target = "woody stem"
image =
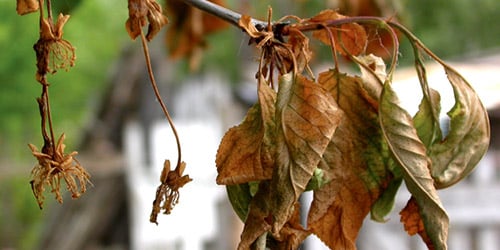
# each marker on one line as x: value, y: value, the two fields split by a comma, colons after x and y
x: 221, y: 12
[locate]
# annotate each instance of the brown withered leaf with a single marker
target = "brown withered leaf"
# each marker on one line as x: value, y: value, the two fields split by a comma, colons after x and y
x: 245, y: 153
x: 260, y: 36
x: 26, y: 6
x: 379, y: 40
x: 299, y: 45
x: 293, y: 233
x: 354, y: 163
x: 186, y: 37
x: 142, y: 12
x: 306, y: 118
x: 349, y: 39
x: 413, y: 223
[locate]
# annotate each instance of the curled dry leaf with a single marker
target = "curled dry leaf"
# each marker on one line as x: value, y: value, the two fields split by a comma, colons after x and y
x: 245, y: 153
x: 349, y: 39
x: 261, y: 37
x: 411, y: 155
x: 52, y: 51
x: 306, y: 118
x: 54, y: 166
x: 168, y: 191
x: 455, y: 156
x: 413, y: 223
x: 27, y: 6
x: 354, y: 163
x: 142, y: 12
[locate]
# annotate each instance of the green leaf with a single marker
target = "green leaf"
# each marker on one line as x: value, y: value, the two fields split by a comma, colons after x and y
x: 410, y: 153
x: 427, y: 126
x: 385, y: 203
x: 240, y: 197
x: 468, y: 138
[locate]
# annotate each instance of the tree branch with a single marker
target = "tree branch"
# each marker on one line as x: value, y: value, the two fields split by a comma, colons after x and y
x: 221, y: 12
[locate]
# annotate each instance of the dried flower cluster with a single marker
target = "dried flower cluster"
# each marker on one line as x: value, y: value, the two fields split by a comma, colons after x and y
x: 168, y: 191
x: 52, y: 51
x: 52, y: 167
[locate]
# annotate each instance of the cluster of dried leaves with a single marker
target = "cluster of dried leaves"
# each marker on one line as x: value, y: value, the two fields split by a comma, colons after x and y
x: 345, y: 138
x: 52, y: 53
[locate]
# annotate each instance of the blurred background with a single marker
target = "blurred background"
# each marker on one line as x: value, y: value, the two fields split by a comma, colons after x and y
x: 107, y: 109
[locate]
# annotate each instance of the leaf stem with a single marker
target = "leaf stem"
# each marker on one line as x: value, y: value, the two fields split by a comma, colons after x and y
x: 158, y: 97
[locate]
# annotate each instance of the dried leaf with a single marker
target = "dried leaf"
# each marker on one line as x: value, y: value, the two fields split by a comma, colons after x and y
x: 325, y: 16
x: 142, y: 12
x: 349, y: 39
x: 26, y: 6
x: 354, y: 164
x: 467, y: 140
x: 262, y: 37
x: 307, y: 117
x: 413, y: 223
x: 245, y: 153
x: 410, y: 153
x: 299, y: 44
x: 292, y: 234
x: 186, y: 36
x: 246, y: 24
x: 380, y: 39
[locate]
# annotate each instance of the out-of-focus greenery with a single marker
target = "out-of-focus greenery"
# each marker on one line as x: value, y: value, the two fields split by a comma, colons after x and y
x: 455, y: 28
x: 96, y: 29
